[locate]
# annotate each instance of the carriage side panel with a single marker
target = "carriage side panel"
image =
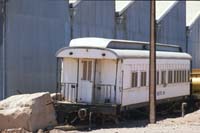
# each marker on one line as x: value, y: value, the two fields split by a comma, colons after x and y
x: 136, y: 90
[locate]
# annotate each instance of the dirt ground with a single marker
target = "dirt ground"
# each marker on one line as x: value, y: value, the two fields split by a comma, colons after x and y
x: 190, y: 123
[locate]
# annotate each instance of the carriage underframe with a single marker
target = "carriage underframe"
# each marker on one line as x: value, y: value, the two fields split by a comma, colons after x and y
x: 65, y: 109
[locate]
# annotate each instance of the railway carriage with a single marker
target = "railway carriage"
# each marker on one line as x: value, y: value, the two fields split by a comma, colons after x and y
x: 108, y: 75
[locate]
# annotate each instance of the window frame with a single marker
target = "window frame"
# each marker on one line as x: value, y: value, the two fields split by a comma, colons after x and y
x: 87, y: 70
x: 134, y: 79
x: 143, y: 78
x: 157, y: 77
x: 170, y: 76
x: 164, y: 77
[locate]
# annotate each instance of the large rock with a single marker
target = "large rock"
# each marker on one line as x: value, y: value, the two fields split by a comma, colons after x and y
x: 57, y: 96
x: 28, y: 111
x: 15, y: 130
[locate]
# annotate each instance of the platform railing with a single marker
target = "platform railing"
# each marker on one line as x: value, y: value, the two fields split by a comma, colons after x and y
x: 105, y: 93
x: 69, y: 91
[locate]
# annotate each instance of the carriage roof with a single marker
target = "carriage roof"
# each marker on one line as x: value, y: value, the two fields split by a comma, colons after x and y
x: 118, y: 48
x: 116, y: 44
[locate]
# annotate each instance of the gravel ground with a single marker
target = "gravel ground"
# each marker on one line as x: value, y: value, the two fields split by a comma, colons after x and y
x: 187, y: 124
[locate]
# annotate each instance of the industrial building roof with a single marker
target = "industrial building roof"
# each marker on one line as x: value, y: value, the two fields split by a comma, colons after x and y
x: 163, y: 7
x: 120, y: 5
x: 73, y: 1
x: 192, y: 11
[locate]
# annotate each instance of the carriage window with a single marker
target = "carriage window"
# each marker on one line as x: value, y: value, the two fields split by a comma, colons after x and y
x: 87, y: 70
x: 84, y: 70
x: 163, y: 77
x: 185, y: 76
x: 157, y: 78
x: 143, y: 78
x: 185, y: 73
x: 178, y: 76
x: 175, y: 76
x: 176, y: 79
x: 182, y: 76
x: 170, y: 77
x: 134, y: 79
x: 188, y: 76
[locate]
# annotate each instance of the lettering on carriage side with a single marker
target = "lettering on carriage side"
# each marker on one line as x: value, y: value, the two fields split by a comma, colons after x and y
x: 160, y: 93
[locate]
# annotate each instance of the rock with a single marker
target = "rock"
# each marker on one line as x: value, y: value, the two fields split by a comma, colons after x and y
x: 28, y: 111
x: 15, y: 130
x: 57, y: 96
x: 40, y: 131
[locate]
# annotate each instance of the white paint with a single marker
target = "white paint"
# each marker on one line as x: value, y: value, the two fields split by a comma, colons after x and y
x: 145, y: 54
x: 108, y: 70
x: 100, y: 42
x: 116, y: 53
x: 129, y: 61
x: 69, y: 75
x: 141, y: 94
x: 105, y: 70
x: 70, y: 70
x: 85, y: 86
x: 89, y: 42
x: 87, y: 53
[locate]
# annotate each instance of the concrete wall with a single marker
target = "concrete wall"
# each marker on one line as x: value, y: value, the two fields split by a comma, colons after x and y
x: 171, y: 27
x: 194, y: 43
x: 36, y: 29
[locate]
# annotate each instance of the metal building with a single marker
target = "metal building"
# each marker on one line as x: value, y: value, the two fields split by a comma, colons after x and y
x: 35, y: 30
x: 171, y: 21
x: 1, y: 46
x: 92, y: 19
x: 133, y: 21
x: 193, y: 32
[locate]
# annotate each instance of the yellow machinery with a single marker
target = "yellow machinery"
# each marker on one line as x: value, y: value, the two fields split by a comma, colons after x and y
x: 195, y: 75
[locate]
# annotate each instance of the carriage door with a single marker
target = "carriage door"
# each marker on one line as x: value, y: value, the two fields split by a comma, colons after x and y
x: 86, y: 80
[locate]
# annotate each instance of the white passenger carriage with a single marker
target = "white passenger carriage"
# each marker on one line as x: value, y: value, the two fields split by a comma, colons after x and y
x: 97, y: 71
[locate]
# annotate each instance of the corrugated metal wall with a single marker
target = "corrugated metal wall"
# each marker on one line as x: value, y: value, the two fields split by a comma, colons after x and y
x: 1, y: 43
x: 171, y: 28
x: 36, y: 29
x: 194, y: 43
x: 135, y: 22
x: 94, y: 19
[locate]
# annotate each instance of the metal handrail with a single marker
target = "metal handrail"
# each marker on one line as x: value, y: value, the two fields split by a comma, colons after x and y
x: 107, y: 93
x: 69, y: 91
x: 103, y: 93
